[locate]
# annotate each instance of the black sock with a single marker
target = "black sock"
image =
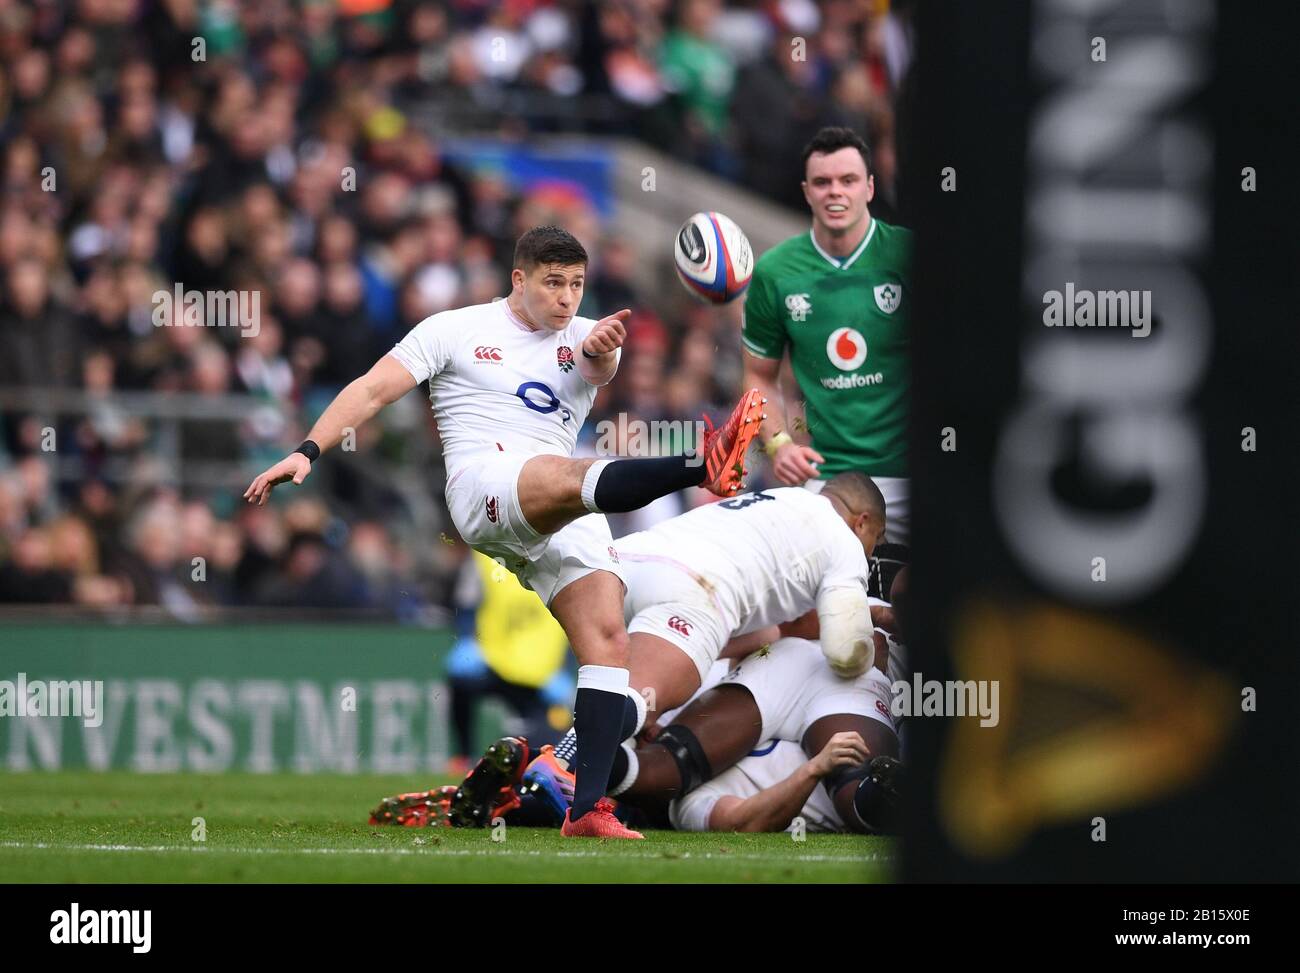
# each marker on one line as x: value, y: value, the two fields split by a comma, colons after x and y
x: 618, y: 769
x: 568, y: 746
x: 597, y: 717
x: 630, y: 484
x: 630, y: 715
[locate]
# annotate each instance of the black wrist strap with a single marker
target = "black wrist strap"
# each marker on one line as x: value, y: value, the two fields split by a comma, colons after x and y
x: 585, y: 355
x: 309, y: 449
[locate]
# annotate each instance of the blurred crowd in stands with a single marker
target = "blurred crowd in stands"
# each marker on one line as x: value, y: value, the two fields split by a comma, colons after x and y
x: 284, y: 148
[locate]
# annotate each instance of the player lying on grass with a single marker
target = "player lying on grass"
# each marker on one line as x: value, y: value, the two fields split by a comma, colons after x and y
x: 777, y: 783
x: 731, y: 569
x: 511, y: 383
x: 765, y: 791
x: 783, y: 692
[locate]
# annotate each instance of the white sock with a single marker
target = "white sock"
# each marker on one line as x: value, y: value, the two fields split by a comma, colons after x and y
x: 611, y: 679
x: 633, y: 768
x: 639, y: 702
x: 589, y: 484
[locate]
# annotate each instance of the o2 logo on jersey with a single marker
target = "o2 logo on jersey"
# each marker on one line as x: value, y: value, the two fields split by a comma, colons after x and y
x: 846, y: 349
x: 529, y: 393
x: 680, y: 625
x: 740, y: 503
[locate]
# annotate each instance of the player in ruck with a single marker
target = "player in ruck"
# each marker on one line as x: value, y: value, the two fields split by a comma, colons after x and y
x: 511, y: 383
x: 715, y: 578
x: 710, y: 578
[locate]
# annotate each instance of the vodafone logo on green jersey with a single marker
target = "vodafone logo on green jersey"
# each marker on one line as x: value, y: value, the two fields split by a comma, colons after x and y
x: 846, y: 349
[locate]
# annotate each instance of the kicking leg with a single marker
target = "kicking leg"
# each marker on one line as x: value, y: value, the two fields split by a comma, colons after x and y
x: 554, y: 490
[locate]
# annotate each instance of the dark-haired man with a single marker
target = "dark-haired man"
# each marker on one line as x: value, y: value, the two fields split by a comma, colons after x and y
x: 837, y: 299
x: 511, y: 383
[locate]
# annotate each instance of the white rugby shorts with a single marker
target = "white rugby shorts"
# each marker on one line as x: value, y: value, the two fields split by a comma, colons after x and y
x: 483, y: 497
x: 794, y: 688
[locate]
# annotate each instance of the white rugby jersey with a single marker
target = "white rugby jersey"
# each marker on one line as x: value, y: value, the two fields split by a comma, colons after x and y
x: 765, y: 556
x: 765, y: 767
x: 494, y: 382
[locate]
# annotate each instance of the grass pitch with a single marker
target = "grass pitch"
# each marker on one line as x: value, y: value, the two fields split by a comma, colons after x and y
x: 72, y: 826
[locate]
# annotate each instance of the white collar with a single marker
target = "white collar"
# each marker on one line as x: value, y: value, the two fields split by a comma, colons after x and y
x: 849, y: 260
x: 514, y: 318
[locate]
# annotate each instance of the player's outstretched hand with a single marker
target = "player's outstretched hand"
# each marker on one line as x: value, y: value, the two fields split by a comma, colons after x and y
x: 844, y: 749
x: 608, y: 334
x: 293, y: 467
x: 792, y: 464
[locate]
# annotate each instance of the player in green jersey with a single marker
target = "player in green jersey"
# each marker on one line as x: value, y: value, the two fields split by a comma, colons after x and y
x: 836, y: 299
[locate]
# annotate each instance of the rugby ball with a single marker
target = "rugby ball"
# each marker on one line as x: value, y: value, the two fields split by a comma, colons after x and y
x: 713, y: 258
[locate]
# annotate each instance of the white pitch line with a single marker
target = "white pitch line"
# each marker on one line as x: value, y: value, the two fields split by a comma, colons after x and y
x: 434, y: 850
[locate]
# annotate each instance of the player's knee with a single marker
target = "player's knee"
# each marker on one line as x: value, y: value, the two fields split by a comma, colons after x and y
x: 688, y: 755
x: 604, y: 644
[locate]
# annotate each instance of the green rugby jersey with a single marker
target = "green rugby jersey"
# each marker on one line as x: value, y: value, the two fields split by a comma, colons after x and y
x: 845, y: 321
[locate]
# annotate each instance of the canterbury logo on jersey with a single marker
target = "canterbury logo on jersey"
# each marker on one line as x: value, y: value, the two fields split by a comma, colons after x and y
x: 613, y: 554
x: 799, y: 306
x: 680, y: 625
x: 486, y: 353
x: 491, y: 505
